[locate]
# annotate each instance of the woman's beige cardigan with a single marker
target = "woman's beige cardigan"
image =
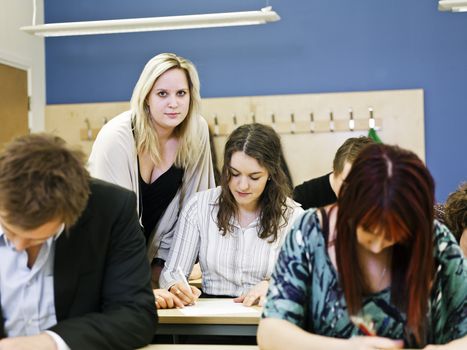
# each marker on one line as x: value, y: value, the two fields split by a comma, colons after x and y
x: 114, y: 159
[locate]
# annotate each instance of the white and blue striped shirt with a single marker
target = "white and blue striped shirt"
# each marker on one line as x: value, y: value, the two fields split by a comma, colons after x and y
x: 230, y: 264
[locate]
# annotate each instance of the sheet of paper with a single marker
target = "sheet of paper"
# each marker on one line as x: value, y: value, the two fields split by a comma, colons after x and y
x: 216, y: 307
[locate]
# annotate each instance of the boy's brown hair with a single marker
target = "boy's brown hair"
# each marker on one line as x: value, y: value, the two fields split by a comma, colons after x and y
x: 349, y: 151
x: 455, y: 211
x: 42, y: 179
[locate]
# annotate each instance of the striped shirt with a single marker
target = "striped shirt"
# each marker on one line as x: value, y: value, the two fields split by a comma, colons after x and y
x: 231, y: 264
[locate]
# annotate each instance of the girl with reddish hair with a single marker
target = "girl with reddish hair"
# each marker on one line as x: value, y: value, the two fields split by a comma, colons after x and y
x: 377, y: 263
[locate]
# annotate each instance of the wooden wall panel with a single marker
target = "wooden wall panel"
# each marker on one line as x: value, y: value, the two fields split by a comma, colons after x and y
x: 399, y: 116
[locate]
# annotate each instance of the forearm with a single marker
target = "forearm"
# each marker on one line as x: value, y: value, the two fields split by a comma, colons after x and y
x: 276, y: 334
x: 184, y: 250
x: 122, y: 328
x: 457, y: 344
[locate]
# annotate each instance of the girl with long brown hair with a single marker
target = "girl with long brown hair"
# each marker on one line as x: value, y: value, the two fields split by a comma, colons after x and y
x: 236, y: 230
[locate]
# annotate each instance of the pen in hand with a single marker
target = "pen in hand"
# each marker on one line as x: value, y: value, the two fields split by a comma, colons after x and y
x: 364, y: 327
x: 183, y: 279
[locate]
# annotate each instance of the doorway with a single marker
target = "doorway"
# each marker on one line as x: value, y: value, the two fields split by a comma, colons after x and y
x: 14, y: 103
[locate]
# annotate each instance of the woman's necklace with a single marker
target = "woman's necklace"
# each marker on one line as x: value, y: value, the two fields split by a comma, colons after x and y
x: 246, y: 217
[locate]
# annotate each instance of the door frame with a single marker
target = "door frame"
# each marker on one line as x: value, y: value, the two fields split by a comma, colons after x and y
x: 23, y: 64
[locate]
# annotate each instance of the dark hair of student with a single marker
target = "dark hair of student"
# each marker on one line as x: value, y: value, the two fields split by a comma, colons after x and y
x: 41, y: 179
x: 262, y: 143
x: 217, y: 173
x: 349, y: 151
x: 287, y: 173
x: 456, y: 211
x: 389, y: 189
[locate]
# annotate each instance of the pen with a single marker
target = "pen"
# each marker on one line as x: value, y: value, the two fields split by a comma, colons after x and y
x: 365, y: 330
x: 362, y: 326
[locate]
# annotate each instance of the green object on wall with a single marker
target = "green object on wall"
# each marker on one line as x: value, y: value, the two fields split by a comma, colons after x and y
x: 373, y: 135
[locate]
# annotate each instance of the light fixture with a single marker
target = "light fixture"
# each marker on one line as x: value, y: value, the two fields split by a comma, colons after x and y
x: 453, y: 5
x: 148, y: 24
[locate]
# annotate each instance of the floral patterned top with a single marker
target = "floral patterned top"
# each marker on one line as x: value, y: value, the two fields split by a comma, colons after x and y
x: 304, y: 289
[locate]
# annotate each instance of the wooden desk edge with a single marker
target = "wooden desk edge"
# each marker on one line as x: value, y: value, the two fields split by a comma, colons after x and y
x: 175, y: 316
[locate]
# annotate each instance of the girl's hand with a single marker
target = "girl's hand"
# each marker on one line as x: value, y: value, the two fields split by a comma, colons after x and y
x: 187, y: 296
x: 256, y: 295
x: 373, y: 343
x: 166, y: 300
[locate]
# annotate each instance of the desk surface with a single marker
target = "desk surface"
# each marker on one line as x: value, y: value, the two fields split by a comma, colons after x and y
x: 199, y: 347
x: 175, y: 316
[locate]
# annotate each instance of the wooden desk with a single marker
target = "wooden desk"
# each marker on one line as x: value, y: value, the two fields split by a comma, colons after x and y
x: 199, y: 347
x: 173, y: 321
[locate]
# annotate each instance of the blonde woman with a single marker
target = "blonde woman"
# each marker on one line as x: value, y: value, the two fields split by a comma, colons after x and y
x: 159, y: 149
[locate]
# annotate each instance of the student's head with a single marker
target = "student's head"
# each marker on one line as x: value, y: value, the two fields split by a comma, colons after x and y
x: 44, y: 186
x: 344, y: 157
x: 386, y: 202
x: 166, y: 97
x: 456, y: 215
x: 252, y: 177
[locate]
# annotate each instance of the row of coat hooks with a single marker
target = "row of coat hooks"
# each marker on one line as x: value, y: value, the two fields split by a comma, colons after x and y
x: 294, y: 126
x: 291, y: 126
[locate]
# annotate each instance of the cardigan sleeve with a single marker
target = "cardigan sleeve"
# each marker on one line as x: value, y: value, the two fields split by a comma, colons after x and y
x: 113, y: 153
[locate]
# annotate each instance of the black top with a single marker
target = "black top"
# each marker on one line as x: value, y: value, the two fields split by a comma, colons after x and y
x: 315, y: 193
x: 156, y: 197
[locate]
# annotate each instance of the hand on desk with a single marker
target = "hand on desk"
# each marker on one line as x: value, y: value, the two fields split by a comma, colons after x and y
x: 255, y: 295
x: 165, y: 299
x: 187, y: 296
x: 457, y: 344
x: 370, y: 343
x: 41, y: 341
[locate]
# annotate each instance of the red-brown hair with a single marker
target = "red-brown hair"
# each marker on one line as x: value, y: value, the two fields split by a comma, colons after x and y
x: 391, y: 190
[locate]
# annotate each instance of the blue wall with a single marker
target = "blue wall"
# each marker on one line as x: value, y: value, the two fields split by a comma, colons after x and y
x: 317, y: 46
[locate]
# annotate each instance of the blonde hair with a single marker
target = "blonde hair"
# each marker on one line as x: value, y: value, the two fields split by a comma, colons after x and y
x: 187, y: 132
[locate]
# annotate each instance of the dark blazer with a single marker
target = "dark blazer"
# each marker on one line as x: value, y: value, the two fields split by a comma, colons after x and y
x: 103, y: 298
x: 315, y: 193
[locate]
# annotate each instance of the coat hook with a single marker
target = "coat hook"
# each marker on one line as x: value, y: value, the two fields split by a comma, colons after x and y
x: 371, y: 121
x: 351, y: 120
x: 88, y: 128
x: 104, y: 121
x: 253, y: 118
x: 312, y: 123
x: 273, y: 121
x: 292, y: 125
x: 216, y: 125
x: 331, y: 121
x: 234, y: 118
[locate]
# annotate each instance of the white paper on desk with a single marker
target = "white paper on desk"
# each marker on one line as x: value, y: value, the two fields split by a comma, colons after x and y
x: 215, y: 307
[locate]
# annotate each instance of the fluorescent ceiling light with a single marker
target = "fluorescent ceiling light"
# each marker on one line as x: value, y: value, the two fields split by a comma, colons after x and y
x: 148, y: 24
x: 453, y: 5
